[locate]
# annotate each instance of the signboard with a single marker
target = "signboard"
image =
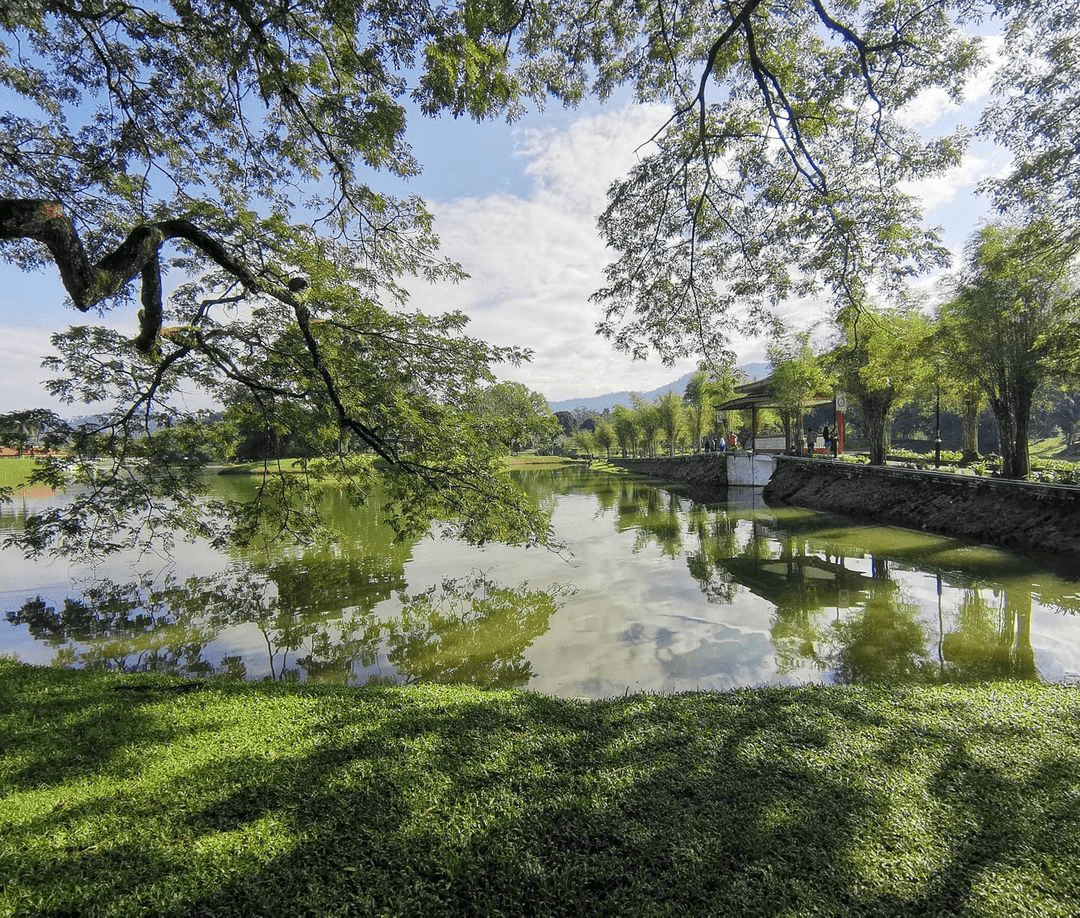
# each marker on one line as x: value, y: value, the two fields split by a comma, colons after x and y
x: 841, y: 401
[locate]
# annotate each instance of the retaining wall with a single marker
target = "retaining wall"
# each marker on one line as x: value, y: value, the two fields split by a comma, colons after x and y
x: 1021, y: 515
x: 704, y: 473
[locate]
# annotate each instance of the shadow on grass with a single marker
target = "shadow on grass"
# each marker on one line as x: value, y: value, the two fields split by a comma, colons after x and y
x: 433, y: 801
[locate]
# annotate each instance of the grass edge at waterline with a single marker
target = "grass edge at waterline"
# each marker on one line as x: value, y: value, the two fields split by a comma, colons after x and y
x: 14, y: 471
x: 145, y: 795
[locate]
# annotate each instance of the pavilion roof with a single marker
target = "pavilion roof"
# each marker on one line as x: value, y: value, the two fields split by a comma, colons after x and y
x: 762, y: 394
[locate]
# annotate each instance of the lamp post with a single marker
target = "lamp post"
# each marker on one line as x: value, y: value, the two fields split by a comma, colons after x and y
x: 937, y: 423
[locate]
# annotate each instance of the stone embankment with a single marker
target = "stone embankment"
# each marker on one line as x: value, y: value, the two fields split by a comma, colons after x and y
x: 1019, y: 515
x: 704, y: 474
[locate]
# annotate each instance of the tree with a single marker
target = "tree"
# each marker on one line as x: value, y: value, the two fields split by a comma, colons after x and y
x: 1062, y: 410
x: 704, y: 392
x: 881, y: 362
x: 1017, y: 306
x: 34, y: 426
x: 516, y: 416
x: 604, y: 437
x: 231, y: 146
x: 797, y: 378
x: 1036, y: 114
x: 627, y: 429
x: 960, y: 392
x: 584, y: 442
x: 782, y: 168
x: 649, y: 423
x: 567, y: 422
x: 672, y: 418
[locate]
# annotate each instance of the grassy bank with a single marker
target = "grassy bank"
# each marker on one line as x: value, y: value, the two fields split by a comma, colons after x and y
x: 532, y: 461
x: 122, y: 795
x: 14, y: 472
x: 521, y: 461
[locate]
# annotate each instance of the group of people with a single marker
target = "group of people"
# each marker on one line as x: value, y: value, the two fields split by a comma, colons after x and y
x: 811, y: 438
x: 720, y: 444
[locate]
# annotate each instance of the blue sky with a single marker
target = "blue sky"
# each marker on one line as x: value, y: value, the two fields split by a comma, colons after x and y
x: 516, y: 205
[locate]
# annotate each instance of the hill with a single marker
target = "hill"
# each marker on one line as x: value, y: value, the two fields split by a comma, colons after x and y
x: 753, y: 371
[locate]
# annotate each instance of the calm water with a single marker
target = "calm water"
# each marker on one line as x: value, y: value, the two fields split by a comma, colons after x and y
x: 655, y: 593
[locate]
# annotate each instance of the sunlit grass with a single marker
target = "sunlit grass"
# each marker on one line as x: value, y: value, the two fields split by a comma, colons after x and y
x: 14, y: 472
x: 533, y: 461
x: 263, y: 467
x: 245, y: 799
x: 1049, y: 448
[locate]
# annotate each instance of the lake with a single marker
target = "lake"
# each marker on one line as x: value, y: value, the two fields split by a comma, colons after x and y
x: 654, y: 592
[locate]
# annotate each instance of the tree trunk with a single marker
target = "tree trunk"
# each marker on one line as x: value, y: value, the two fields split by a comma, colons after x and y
x: 876, y: 416
x: 969, y: 415
x: 1013, y: 417
x: 1006, y: 435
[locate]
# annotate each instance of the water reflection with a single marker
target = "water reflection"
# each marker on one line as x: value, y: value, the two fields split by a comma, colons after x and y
x: 467, y: 630
x: 670, y: 594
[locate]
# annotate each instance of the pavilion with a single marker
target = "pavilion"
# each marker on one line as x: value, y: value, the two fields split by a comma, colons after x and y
x: 762, y: 394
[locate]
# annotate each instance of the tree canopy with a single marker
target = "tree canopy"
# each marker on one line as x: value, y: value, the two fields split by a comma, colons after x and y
x: 1035, y: 115
x: 226, y: 164
x: 882, y: 360
x: 1015, y: 313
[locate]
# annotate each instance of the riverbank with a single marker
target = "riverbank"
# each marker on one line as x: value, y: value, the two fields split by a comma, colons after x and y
x: 139, y: 795
x: 703, y: 475
x: 1024, y: 516
x: 15, y: 471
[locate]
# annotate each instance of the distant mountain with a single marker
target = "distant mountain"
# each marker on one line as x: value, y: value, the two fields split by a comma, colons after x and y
x: 753, y: 372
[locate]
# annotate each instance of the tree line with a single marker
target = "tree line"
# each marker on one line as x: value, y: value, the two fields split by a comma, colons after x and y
x: 1006, y: 335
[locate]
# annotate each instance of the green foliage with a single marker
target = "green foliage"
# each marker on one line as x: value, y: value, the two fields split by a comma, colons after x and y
x: 33, y: 428
x: 1035, y: 115
x: 882, y: 361
x: 649, y: 423
x: 798, y: 377
x: 627, y: 429
x: 672, y: 419
x: 1016, y: 310
x: 782, y: 170
x: 1055, y: 471
x: 147, y: 796
x: 234, y: 145
x: 704, y: 391
x: 515, y: 416
x: 796, y: 371
x: 605, y: 437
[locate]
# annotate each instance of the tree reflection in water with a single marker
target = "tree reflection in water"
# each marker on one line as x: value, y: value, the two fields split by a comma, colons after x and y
x: 879, y: 635
x: 470, y: 630
x: 836, y: 600
x: 883, y: 641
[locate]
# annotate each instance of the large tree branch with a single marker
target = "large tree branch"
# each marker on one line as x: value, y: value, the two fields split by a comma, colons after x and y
x: 90, y: 284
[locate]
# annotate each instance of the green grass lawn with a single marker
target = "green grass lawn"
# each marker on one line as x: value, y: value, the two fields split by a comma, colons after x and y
x: 261, y: 467
x: 119, y: 796
x: 14, y: 472
x: 532, y: 461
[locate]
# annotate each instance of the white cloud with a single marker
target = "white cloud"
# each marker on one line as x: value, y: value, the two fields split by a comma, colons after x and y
x: 534, y: 261
x: 939, y: 190
x: 21, y: 350
x: 935, y: 105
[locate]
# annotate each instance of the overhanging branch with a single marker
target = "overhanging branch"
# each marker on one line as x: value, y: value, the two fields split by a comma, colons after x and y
x: 90, y: 284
